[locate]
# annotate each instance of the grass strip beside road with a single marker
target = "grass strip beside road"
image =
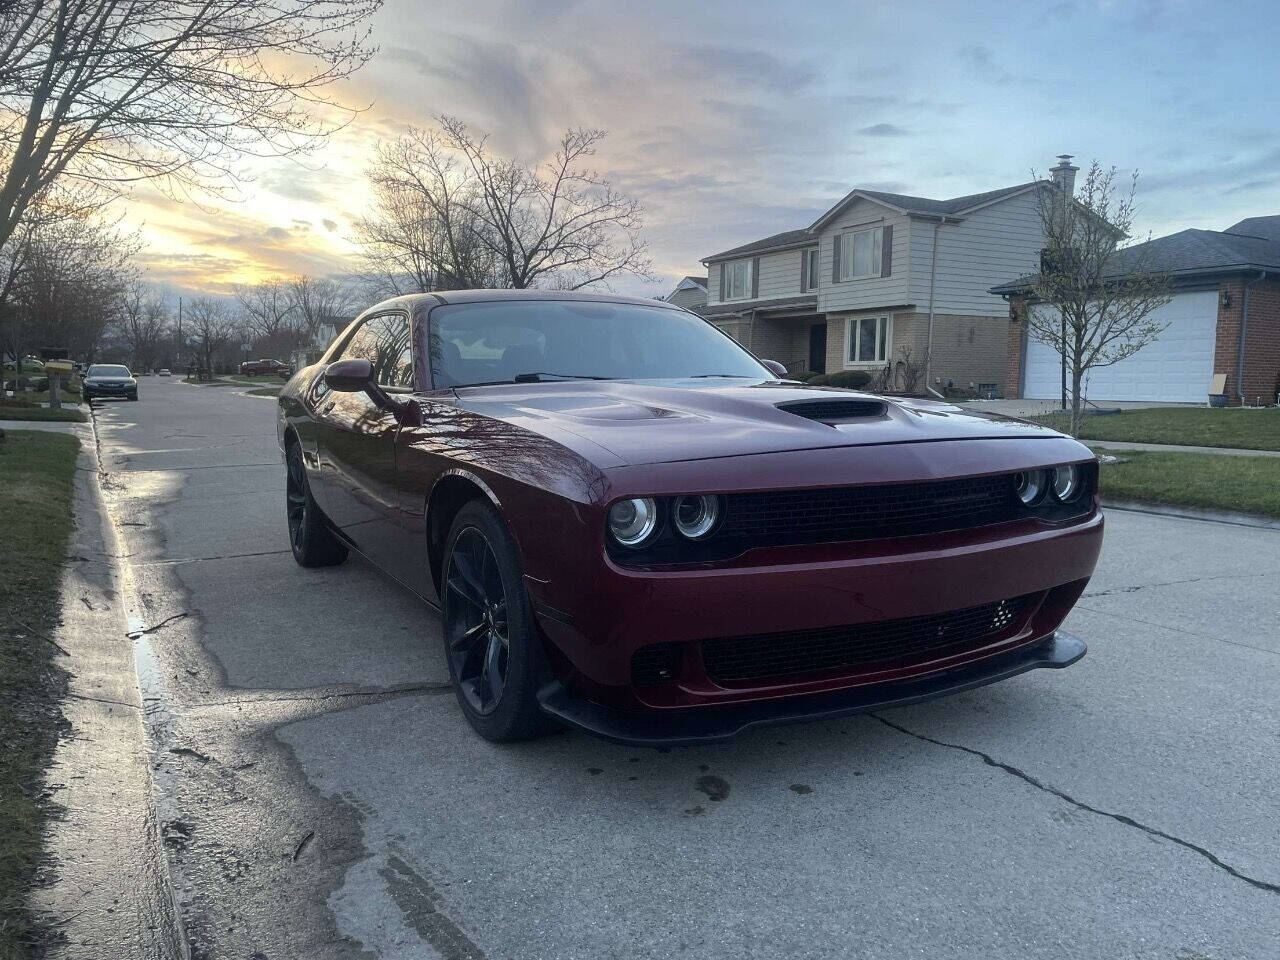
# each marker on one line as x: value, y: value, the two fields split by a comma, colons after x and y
x: 37, y: 471
x: 1204, y: 480
x: 43, y: 414
x: 1244, y: 429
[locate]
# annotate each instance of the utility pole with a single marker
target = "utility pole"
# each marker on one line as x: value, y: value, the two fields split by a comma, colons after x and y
x: 177, y: 356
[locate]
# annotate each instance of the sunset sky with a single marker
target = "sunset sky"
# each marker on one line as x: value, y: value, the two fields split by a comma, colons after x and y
x: 732, y: 121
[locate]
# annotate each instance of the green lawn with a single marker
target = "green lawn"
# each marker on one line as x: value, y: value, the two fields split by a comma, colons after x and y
x: 1210, y: 481
x: 36, y: 477
x: 1191, y: 426
x: 66, y: 414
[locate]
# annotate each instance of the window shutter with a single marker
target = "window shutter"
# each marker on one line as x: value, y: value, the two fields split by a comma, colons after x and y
x: 886, y: 252
x: 835, y: 258
x: 722, y: 282
x: 755, y: 277
x: 804, y: 270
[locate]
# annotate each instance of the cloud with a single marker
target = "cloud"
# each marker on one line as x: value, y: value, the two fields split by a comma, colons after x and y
x: 329, y: 225
x: 884, y: 130
x: 744, y: 66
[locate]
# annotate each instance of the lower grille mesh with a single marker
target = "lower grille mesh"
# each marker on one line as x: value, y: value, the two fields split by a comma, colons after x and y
x: 779, y: 655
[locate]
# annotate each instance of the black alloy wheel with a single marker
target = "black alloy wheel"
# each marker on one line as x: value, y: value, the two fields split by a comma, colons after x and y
x: 312, y: 542
x: 479, y: 638
x: 493, y: 648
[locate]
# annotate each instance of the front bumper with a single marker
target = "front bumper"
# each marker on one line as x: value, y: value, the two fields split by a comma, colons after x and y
x: 665, y: 728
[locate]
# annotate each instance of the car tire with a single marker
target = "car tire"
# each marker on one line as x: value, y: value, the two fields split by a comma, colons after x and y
x: 487, y: 626
x: 133, y: 396
x: 312, y: 542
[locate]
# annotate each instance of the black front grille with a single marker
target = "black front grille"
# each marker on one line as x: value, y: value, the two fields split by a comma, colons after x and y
x: 853, y: 647
x: 655, y: 664
x: 865, y: 513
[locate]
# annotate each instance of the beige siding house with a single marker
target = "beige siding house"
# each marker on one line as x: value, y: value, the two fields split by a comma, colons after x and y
x: 885, y: 282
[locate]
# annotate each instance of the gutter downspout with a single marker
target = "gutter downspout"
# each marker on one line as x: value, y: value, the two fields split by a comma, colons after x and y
x: 1244, y: 330
x: 933, y: 278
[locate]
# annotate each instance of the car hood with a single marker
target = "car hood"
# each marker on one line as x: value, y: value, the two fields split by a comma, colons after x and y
x: 673, y: 420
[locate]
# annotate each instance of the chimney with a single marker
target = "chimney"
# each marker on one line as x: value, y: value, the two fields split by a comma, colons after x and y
x: 1064, y: 174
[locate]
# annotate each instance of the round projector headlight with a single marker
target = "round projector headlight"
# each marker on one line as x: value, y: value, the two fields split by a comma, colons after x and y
x: 633, y: 521
x: 695, y: 517
x: 1030, y: 485
x: 1066, y: 482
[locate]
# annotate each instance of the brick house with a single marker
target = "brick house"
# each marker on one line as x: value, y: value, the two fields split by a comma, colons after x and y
x: 886, y: 280
x: 1223, y: 319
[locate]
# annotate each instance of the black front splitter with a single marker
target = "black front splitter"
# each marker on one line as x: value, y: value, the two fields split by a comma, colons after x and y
x: 667, y: 728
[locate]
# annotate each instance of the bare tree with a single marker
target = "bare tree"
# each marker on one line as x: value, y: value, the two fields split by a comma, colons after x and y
x: 270, y: 314
x: 1094, y: 296
x: 319, y: 301
x: 67, y: 279
x: 424, y: 233
x: 450, y: 213
x: 213, y: 325
x: 115, y: 91
x: 144, y: 322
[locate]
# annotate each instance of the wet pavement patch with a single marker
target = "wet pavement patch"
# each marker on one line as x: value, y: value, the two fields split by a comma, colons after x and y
x: 716, y: 788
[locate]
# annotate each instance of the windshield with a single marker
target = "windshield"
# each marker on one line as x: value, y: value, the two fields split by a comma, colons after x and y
x: 534, y: 340
x: 108, y: 370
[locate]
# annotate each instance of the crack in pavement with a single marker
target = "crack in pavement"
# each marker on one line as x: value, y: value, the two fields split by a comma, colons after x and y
x: 1169, y: 583
x: 1081, y: 805
x: 135, y: 634
x: 224, y: 556
x: 384, y: 693
x: 1173, y: 629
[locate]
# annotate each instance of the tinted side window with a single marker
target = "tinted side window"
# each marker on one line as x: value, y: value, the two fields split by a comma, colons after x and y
x: 384, y: 341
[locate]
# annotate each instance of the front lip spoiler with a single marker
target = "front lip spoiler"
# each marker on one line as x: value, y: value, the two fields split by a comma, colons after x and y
x: 668, y: 728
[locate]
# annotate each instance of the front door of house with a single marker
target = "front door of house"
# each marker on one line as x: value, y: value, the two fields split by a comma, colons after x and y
x: 818, y: 348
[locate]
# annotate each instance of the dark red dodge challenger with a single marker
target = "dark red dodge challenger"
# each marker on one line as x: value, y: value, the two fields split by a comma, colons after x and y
x: 632, y: 525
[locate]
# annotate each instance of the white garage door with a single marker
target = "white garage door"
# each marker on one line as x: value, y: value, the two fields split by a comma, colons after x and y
x: 1176, y: 368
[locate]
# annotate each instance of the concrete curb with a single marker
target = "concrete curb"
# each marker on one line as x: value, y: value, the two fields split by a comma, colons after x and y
x: 112, y: 895
x: 1193, y: 513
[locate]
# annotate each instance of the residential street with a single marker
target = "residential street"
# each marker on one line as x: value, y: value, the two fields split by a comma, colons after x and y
x: 321, y: 796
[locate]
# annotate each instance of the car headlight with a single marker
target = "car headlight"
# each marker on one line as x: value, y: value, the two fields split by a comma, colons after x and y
x: 633, y: 521
x: 695, y: 516
x: 1030, y: 485
x: 1066, y: 482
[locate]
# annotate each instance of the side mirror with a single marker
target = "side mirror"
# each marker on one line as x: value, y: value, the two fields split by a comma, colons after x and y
x: 349, y: 376
x: 776, y: 368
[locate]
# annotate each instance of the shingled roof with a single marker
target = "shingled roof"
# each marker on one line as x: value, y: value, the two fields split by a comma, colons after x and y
x: 920, y: 206
x: 1197, y: 252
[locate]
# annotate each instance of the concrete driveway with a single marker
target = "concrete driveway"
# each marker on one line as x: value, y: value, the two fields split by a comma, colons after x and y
x: 321, y: 796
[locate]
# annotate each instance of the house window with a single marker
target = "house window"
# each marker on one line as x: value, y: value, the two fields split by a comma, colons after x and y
x: 809, y: 275
x: 860, y: 253
x: 737, y: 279
x: 866, y: 340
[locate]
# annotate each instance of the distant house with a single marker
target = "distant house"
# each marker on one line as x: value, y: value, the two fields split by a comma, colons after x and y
x: 1224, y: 319
x: 326, y: 332
x: 690, y: 293
x: 885, y: 279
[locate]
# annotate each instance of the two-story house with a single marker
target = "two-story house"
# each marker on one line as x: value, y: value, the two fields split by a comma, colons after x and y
x: 882, y: 279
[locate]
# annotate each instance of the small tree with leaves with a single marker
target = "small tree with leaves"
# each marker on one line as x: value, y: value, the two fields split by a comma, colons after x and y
x: 1094, y: 297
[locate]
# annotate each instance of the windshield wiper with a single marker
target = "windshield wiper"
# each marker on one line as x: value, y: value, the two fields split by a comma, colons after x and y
x: 727, y: 376
x: 537, y: 377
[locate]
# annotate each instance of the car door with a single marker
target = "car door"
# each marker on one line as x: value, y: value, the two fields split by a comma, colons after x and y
x: 355, y: 443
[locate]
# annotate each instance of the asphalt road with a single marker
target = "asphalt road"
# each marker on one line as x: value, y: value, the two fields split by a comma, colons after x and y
x: 321, y: 796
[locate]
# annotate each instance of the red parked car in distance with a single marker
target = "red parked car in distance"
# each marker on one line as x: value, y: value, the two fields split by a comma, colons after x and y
x: 265, y: 368
x: 633, y: 526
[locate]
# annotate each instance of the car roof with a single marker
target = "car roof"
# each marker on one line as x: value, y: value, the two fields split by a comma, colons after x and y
x: 481, y: 296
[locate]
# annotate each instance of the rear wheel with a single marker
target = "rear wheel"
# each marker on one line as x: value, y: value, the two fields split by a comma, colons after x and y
x: 312, y: 542
x: 495, y: 654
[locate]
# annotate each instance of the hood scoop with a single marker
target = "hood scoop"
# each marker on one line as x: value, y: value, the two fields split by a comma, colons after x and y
x: 834, y: 411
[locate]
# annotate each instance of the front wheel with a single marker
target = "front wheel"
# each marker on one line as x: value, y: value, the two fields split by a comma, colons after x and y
x: 312, y: 542
x: 495, y: 655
